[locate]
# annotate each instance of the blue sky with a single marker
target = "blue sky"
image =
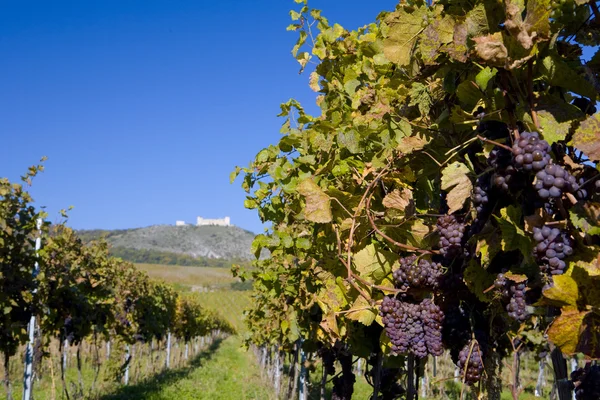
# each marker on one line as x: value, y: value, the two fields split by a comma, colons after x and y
x: 144, y: 107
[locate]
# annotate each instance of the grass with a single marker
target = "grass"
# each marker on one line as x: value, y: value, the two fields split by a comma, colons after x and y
x: 224, y: 371
x: 191, y: 278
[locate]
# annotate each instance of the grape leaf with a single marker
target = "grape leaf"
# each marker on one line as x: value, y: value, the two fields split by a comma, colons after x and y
x: 564, y: 331
x: 564, y: 291
x: 491, y: 49
x: 402, y: 35
x: 513, y: 237
x: 587, y: 137
x: 484, y: 76
x: 559, y: 73
x: 362, y: 311
x: 398, y: 199
x: 455, y: 177
x: 318, y: 205
x: 586, y: 217
x: 374, y: 263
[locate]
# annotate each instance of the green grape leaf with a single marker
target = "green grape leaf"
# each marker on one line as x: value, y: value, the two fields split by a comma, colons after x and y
x: 559, y: 73
x: 587, y: 137
x: 513, y: 237
x: 484, y: 76
x: 555, y: 117
x: 564, y: 291
x: 468, y: 93
x: 421, y: 97
x: 318, y: 205
x: 478, y: 280
x: 455, y: 177
x: 586, y: 217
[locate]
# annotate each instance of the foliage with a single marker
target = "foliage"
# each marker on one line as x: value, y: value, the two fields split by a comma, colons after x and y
x: 18, y: 231
x: 417, y: 111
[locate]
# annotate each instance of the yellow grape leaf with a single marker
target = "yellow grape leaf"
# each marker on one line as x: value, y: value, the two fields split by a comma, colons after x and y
x: 455, y: 176
x: 330, y: 326
x: 517, y: 278
x: 402, y: 35
x: 564, y: 291
x: 587, y: 137
x: 362, y: 311
x: 373, y: 263
x: 318, y: 205
x: 398, y: 199
x: 564, y: 331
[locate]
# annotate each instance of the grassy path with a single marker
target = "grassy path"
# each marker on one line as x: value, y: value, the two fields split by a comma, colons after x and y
x: 223, y: 371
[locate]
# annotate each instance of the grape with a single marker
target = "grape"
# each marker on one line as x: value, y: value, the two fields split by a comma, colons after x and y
x: 530, y: 152
x: 413, y: 274
x: 514, y: 294
x: 456, y: 329
x: 413, y: 328
x: 505, y: 177
x: 451, y: 235
x: 480, y: 194
x: 587, y: 382
x: 328, y: 357
x: 552, y: 247
x: 516, y: 307
x: 553, y: 180
x: 470, y: 363
x: 343, y: 385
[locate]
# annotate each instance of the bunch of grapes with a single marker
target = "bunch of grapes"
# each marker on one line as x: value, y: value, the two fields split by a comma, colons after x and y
x: 587, y: 382
x: 413, y: 274
x: 553, y: 180
x: 514, y: 293
x: 506, y: 177
x: 553, y: 246
x: 480, y: 194
x: 343, y: 385
x: 530, y: 152
x: 451, y: 235
x: 470, y: 363
x: 516, y: 307
x: 328, y: 357
x: 413, y: 328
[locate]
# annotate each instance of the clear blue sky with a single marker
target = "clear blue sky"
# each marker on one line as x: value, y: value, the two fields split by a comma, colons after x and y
x: 144, y: 107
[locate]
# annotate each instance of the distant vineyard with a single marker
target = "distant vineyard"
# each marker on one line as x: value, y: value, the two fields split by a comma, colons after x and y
x: 54, y: 288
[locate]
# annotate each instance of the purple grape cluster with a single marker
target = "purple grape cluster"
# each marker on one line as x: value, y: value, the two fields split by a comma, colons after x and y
x: 470, y: 363
x: 451, y: 235
x: 530, y: 152
x: 553, y: 180
x: 413, y: 328
x: 552, y: 247
x: 514, y: 294
x: 587, y: 382
x: 516, y: 307
x: 421, y: 274
x: 480, y: 194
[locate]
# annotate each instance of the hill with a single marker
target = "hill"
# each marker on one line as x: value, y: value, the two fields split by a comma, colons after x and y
x: 182, y: 245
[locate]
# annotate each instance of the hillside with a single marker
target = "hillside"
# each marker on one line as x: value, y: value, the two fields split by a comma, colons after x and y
x: 206, y: 242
